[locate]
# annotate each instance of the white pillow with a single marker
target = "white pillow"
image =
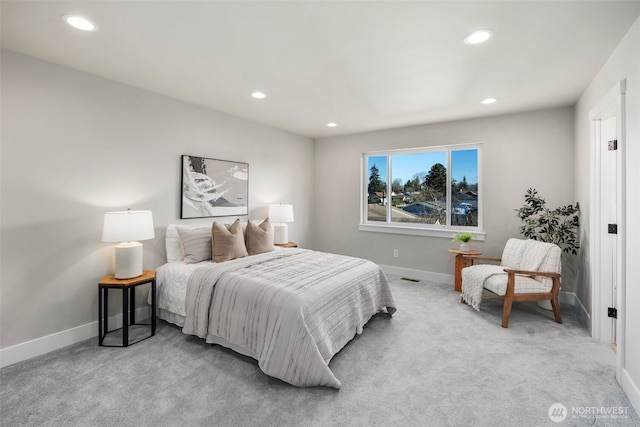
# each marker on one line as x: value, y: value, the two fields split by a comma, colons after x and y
x: 196, y: 244
x: 173, y: 244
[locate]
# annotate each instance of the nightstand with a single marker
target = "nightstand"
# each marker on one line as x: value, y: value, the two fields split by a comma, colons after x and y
x: 461, y: 262
x: 287, y: 245
x: 128, y: 288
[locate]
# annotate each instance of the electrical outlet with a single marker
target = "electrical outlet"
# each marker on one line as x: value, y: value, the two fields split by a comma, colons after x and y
x: 395, y: 253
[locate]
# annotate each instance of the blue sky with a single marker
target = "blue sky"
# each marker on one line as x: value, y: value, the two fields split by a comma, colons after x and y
x: 465, y: 163
x: 405, y: 166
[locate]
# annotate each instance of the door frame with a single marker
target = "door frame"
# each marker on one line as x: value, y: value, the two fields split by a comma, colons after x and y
x: 613, y: 104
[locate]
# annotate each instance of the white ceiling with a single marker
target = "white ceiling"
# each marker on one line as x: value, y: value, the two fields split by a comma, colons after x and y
x: 362, y: 64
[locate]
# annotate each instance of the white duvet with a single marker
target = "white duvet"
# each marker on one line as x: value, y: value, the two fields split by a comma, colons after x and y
x: 293, y: 309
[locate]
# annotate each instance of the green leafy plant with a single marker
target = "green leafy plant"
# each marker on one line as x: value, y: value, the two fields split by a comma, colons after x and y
x: 463, y: 237
x: 559, y: 226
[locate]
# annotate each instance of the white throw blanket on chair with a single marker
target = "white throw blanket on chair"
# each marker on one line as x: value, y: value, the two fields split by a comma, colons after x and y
x: 528, y: 255
x: 473, y: 279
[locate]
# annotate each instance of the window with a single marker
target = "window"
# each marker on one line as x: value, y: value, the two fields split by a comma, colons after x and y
x: 436, y: 189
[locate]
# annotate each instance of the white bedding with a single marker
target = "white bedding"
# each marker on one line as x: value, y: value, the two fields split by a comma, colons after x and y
x: 290, y: 309
x: 171, y: 283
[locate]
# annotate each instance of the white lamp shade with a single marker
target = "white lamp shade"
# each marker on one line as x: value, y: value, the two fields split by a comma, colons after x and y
x: 127, y: 226
x: 281, y: 213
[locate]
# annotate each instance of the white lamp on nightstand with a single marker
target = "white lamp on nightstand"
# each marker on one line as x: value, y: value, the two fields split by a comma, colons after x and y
x: 126, y: 227
x: 279, y: 215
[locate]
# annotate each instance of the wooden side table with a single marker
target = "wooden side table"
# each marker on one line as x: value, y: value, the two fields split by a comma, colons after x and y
x: 128, y: 287
x: 461, y: 262
x: 287, y: 245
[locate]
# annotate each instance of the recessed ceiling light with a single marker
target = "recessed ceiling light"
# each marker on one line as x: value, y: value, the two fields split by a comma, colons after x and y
x: 259, y: 95
x: 478, y: 36
x: 80, y: 22
x: 332, y: 125
x: 488, y: 101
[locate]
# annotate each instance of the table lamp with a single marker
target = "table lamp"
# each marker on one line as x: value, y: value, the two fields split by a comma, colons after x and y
x: 126, y: 227
x: 279, y: 215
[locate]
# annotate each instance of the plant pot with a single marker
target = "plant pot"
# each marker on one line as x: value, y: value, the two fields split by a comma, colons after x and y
x: 464, y: 247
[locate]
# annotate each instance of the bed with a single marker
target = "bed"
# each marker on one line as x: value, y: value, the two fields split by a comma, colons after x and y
x: 290, y: 309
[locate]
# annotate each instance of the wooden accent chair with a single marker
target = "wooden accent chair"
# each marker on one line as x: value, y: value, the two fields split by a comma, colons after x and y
x: 518, y: 284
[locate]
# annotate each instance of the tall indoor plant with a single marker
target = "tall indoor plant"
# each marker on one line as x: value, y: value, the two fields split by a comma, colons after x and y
x: 559, y: 226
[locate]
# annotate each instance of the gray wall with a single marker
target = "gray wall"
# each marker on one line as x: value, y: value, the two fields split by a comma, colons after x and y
x: 75, y: 146
x: 533, y: 149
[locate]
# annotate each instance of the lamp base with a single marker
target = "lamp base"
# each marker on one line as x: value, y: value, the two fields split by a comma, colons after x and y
x: 280, y: 233
x: 128, y: 260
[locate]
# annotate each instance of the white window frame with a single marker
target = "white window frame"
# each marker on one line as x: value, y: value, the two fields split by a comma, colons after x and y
x: 419, y: 229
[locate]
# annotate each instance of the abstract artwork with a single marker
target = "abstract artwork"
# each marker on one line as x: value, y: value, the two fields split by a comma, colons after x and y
x: 212, y: 187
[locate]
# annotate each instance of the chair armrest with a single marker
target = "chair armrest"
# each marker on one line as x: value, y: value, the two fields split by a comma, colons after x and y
x: 481, y: 258
x: 532, y: 273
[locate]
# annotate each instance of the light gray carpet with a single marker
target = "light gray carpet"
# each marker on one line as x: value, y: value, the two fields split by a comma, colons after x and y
x: 435, y: 363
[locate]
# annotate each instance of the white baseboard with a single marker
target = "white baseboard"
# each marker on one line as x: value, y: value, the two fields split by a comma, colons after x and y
x: 568, y: 298
x: 631, y: 389
x: 583, y: 314
x: 27, y: 350
x: 39, y: 346
x: 411, y: 273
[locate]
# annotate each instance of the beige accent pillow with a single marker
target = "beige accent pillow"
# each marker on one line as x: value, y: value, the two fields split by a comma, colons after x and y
x: 228, y: 244
x: 196, y: 244
x: 259, y: 238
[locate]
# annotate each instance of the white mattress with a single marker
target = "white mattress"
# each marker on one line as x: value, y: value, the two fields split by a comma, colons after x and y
x: 171, y: 286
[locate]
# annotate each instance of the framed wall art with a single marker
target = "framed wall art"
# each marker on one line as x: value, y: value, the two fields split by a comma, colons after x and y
x: 212, y: 187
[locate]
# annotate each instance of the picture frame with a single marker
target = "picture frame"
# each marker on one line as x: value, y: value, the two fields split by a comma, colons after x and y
x: 213, y: 187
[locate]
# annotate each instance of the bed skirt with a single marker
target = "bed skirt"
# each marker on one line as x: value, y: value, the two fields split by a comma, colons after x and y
x: 178, y: 320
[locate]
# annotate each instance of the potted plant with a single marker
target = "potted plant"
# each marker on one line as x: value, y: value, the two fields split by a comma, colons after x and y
x: 464, y: 239
x: 559, y: 226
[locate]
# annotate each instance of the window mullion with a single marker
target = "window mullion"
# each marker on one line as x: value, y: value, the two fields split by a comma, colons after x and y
x: 449, y: 200
x: 364, y: 206
x: 389, y: 197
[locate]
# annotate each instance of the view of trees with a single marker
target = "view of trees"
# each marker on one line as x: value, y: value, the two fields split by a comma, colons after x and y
x: 436, y: 180
x: 423, y: 198
x: 463, y: 186
x: 413, y: 185
x: 375, y: 183
x: 433, y: 186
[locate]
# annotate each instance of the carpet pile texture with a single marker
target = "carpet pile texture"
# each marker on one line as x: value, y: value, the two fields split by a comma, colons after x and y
x: 437, y: 362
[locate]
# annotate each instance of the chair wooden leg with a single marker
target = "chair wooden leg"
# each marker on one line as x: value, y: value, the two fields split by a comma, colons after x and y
x: 508, y: 300
x: 506, y: 310
x: 556, y: 309
x: 555, y: 304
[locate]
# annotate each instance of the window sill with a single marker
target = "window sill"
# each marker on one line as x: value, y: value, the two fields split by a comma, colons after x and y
x: 420, y: 231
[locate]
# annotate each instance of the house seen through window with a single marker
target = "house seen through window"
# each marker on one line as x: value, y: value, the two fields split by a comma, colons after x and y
x: 436, y: 187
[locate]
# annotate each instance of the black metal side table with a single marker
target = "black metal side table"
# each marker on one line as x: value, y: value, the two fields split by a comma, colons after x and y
x: 128, y: 287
